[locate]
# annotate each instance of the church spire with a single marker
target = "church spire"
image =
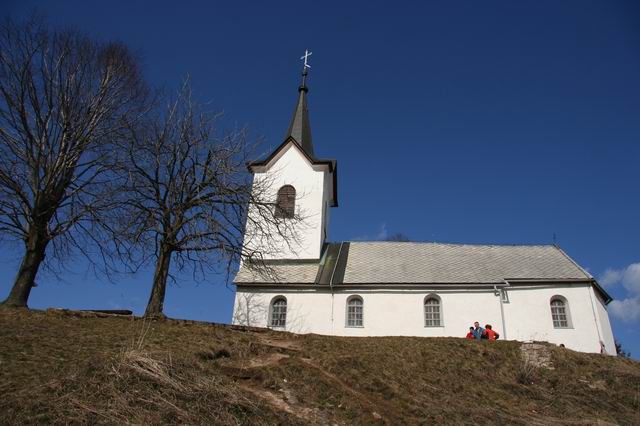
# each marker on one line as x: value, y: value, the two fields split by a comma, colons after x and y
x: 300, y: 129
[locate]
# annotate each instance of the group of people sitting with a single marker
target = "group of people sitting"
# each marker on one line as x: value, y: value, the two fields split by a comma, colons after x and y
x: 479, y: 333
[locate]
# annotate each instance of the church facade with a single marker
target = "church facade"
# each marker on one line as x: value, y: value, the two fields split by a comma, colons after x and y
x: 526, y: 292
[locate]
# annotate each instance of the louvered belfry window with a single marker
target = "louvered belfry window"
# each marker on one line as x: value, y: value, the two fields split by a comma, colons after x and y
x: 286, y: 202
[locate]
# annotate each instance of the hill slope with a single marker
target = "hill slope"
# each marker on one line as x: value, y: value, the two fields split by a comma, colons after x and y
x: 65, y: 367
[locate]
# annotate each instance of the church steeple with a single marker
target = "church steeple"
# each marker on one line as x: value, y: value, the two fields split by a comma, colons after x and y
x: 300, y: 128
x: 299, y: 185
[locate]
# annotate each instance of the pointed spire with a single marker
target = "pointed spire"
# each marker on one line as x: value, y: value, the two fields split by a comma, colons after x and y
x: 300, y: 128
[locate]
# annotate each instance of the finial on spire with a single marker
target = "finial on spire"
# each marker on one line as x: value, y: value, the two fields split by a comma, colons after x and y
x: 306, y: 65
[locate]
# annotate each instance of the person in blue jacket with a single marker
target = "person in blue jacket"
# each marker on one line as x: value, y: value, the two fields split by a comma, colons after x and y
x: 478, y: 332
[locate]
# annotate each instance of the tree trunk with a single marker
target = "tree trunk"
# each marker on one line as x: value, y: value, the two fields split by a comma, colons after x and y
x: 36, y: 246
x: 156, y: 300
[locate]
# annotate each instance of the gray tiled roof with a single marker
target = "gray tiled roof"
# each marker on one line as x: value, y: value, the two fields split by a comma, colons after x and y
x: 392, y: 262
x: 416, y: 263
x: 289, y: 273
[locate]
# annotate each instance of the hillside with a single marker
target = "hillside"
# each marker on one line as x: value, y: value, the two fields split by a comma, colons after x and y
x: 66, y: 367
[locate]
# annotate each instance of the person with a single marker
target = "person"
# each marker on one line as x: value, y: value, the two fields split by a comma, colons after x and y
x: 491, y: 335
x: 470, y: 333
x: 478, y: 332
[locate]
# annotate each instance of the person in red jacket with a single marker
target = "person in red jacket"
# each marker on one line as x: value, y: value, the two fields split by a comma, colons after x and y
x: 470, y: 333
x: 491, y: 335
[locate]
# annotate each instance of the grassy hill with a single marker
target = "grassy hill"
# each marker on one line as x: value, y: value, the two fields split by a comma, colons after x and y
x: 68, y: 367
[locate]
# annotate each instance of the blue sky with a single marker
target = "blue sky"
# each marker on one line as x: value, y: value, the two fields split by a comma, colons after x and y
x: 491, y: 122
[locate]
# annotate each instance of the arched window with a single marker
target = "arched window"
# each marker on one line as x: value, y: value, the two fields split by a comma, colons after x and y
x: 278, y: 315
x: 560, y: 312
x: 286, y: 202
x: 432, y: 311
x: 355, y: 312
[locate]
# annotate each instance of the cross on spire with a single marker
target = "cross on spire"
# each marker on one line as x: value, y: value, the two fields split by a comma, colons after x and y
x: 306, y: 65
x: 306, y: 57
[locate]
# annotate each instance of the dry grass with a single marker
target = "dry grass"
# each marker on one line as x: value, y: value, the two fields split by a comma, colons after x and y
x: 526, y: 373
x: 59, y: 368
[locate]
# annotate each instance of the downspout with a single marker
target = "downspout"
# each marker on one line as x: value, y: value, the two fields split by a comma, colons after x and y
x: 504, y: 324
x: 331, y: 285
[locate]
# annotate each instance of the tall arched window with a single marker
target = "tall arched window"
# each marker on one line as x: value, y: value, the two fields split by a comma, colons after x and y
x: 432, y: 311
x: 560, y: 312
x: 286, y: 202
x: 278, y: 315
x: 355, y: 308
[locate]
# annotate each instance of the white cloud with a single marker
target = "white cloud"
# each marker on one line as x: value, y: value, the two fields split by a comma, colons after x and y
x: 383, y: 234
x: 380, y: 235
x: 627, y: 310
x: 611, y: 277
x: 629, y: 277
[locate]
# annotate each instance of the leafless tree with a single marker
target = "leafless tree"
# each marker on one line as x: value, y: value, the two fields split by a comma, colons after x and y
x: 189, y: 197
x: 64, y: 100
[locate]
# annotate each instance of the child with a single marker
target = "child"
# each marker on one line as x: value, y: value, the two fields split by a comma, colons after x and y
x: 470, y: 333
x: 491, y: 335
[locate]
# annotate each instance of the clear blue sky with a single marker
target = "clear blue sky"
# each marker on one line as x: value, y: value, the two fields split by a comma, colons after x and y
x: 489, y: 122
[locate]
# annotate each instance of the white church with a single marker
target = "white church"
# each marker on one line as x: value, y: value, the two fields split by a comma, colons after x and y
x: 526, y: 292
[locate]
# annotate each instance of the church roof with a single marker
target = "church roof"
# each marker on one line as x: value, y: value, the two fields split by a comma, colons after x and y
x: 393, y: 263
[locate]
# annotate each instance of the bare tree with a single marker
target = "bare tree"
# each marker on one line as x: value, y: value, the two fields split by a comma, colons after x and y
x: 189, y: 197
x: 64, y: 99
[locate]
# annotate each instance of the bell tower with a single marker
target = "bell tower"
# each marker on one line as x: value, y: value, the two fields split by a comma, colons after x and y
x: 301, y: 186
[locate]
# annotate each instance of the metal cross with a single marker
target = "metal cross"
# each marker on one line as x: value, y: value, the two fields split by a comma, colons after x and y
x: 305, y: 57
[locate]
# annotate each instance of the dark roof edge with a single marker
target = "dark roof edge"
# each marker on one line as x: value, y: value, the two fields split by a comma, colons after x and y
x: 411, y: 285
x: 312, y: 286
x: 448, y: 243
x: 333, y: 164
x: 283, y: 262
x: 605, y: 295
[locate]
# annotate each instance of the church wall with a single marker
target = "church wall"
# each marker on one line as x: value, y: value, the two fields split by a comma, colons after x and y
x: 605, y: 326
x: 528, y: 316
x: 401, y: 313
x: 397, y: 313
x: 292, y: 168
x: 307, y: 312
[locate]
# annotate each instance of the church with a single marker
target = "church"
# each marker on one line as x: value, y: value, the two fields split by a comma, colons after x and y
x: 354, y: 288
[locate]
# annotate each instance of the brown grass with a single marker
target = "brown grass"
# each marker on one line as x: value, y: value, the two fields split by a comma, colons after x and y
x: 67, y: 368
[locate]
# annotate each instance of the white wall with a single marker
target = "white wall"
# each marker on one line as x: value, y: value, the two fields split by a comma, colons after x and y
x: 528, y: 316
x: 291, y: 167
x: 606, y: 333
x: 401, y: 313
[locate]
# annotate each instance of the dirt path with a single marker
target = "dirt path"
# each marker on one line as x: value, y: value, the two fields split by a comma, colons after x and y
x: 374, y: 406
x: 287, y: 349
